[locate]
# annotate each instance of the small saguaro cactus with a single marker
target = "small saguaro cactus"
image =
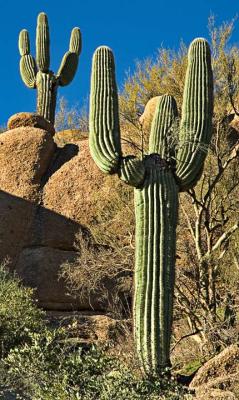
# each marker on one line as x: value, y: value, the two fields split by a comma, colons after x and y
x: 157, y: 182
x: 36, y: 74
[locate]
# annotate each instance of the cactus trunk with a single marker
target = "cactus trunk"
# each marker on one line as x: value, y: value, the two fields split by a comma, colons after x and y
x: 156, y: 210
x: 46, y: 96
x: 157, y: 179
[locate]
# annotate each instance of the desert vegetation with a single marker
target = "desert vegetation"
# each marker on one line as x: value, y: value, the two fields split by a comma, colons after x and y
x: 36, y: 73
x: 206, y: 299
x: 41, y: 361
x: 200, y: 218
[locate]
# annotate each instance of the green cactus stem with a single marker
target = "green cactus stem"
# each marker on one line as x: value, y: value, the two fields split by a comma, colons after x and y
x: 156, y: 209
x: 47, y: 90
x: 156, y: 179
x: 36, y: 73
x: 195, y: 128
x: 42, y: 43
x: 104, y: 122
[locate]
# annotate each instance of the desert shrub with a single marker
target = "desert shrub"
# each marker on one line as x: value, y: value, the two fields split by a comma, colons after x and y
x: 107, y: 268
x: 39, y: 362
x: 104, y: 270
x: 19, y: 316
x: 49, y: 368
x: 71, y: 117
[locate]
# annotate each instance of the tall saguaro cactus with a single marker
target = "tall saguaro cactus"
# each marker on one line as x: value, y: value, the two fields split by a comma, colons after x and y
x: 157, y: 182
x: 36, y: 74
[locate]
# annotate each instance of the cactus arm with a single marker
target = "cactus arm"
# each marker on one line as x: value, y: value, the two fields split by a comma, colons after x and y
x: 156, y: 206
x: 75, y: 41
x: 70, y: 59
x: 196, y: 123
x: 104, y: 136
x: 161, y: 140
x: 28, y: 68
x: 42, y: 43
x: 67, y: 68
x: 132, y: 171
x: 24, y: 43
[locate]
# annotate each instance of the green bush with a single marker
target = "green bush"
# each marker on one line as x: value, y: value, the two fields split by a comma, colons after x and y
x: 41, y: 363
x: 50, y: 369
x: 19, y: 316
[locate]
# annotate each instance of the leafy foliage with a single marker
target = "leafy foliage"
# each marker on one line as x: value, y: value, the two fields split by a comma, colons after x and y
x: 19, y: 317
x: 42, y: 363
x: 39, y: 363
x: 49, y: 369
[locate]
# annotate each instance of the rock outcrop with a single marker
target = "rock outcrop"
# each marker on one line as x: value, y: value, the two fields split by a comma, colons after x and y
x: 47, y: 196
x: 25, y: 155
x: 30, y: 119
x: 49, y: 190
x: 35, y: 238
x: 219, y: 377
x: 73, y: 189
x: 147, y: 116
x: 88, y: 327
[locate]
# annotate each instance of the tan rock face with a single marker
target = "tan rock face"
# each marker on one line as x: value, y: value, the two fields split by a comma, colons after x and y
x: 25, y: 154
x: 225, y: 363
x: 40, y: 267
x: 51, y: 229
x: 16, y: 216
x: 30, y: 119
x: 147, y: 116
x: 220, y: 374
x: 70, y: 136
x: 87, y: 327
x: 47, y: 194
x: 73, y: 189
x: 215, y: 394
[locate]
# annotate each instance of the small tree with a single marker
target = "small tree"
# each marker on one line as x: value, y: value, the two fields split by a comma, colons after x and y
x: 71, y: 117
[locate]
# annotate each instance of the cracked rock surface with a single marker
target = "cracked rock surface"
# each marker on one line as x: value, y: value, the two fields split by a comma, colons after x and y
x: 46, y: 199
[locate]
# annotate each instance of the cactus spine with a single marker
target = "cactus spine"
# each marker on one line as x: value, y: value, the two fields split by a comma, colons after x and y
x: 156, y: 183
x: 36, y: 73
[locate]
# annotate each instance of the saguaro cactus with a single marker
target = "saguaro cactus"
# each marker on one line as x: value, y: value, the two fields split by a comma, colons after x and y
x: 157, y: 182
x: 36, y: 73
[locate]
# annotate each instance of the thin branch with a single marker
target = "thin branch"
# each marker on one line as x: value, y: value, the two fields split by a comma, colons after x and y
x: 224, y: 237
x: 221, y: 168
x: 236, y: 261
x: 198, y: 223
x: 131, y: 144
x: 188, y: 221
x: 186, y: 336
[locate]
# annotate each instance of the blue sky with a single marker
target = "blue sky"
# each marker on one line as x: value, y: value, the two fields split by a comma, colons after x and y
x: 133, y: 29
